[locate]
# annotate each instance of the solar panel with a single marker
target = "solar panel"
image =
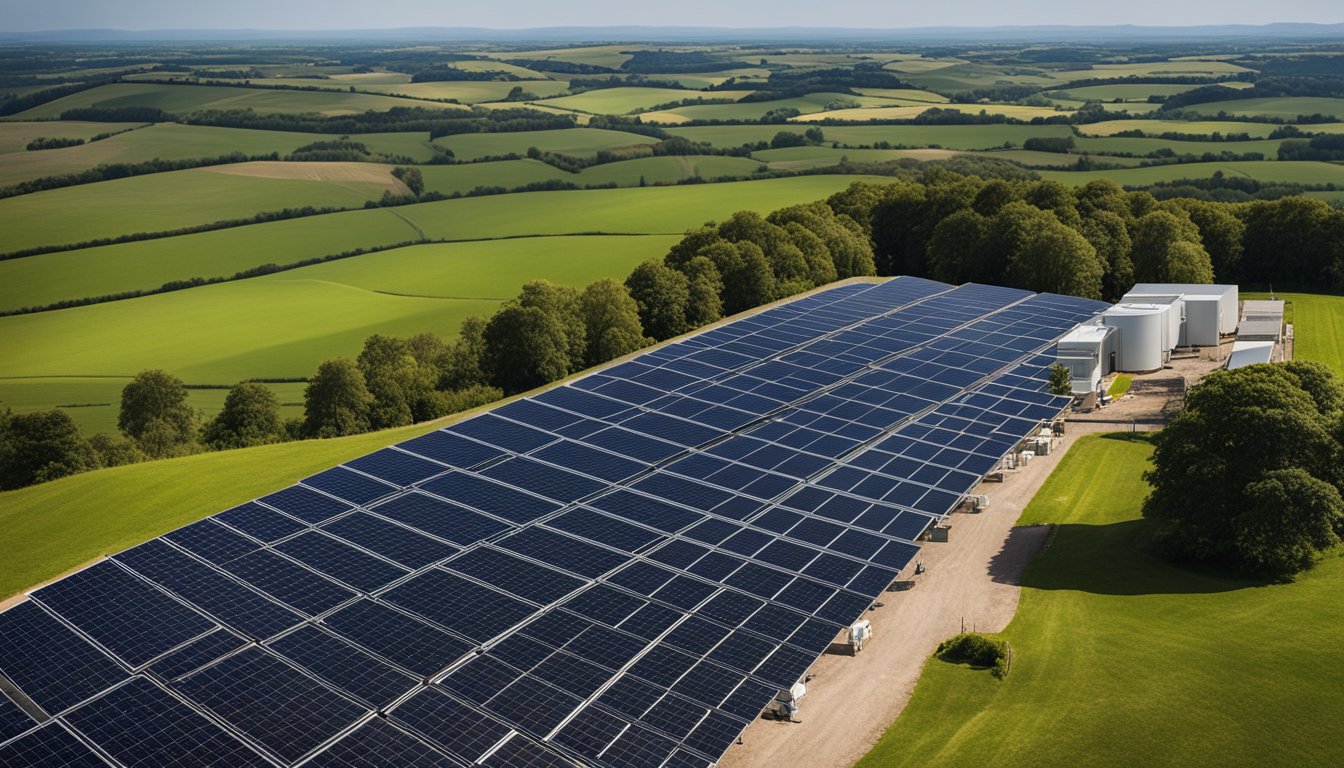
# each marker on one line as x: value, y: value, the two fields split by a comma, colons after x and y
x: 13, y: 720
x: 50, y: 746
x: 49, y: 663
x: 141, y: 724
x: 275, y: 705
x: 618, y: 571
x: 123, y: 613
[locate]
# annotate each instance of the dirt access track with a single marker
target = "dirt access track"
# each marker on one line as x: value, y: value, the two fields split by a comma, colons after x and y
x: 974, y: 578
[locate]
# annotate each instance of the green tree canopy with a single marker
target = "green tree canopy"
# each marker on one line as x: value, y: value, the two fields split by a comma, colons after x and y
x: 1247, y: 475
x: 401, y: 385
x: 463, y: 363
x: 155, y: 413
x: 562, y: 303
x: 41, y: 446
x: 251, y: 416
x: 611, y: 321
x: 661, y: 295
x: 704, y: 286
x: 336, y: 401
x: 526, y: 347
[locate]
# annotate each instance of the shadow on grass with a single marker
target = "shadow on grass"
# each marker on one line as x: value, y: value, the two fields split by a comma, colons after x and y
x: 1119, y: 559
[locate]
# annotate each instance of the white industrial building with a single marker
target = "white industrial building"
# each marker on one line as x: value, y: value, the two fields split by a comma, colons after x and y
x: 1138, y: 334
x: 1210, y: 310
x: 1088, y: 351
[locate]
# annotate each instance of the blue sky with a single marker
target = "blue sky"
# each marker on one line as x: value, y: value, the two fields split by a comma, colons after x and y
x: 30, y: 15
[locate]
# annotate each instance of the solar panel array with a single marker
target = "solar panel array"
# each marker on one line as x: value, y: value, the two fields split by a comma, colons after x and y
x: 620, y: 571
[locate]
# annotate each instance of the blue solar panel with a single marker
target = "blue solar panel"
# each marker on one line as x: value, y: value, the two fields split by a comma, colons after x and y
x: 343, y: 666
x: 496, y: 499
x: 228, y: 601
x: 305, y: 504
x: 275, y: 705
x: 450, y: 725
x: 407, y: 642
x: 50, y: 663
x: 453, y: 450
x: 439, y: 518
x: 351, y: 486
x: 452, y: 602
x: 140, y: 724
x: 396, y: 467
x: 51, y: 746
x: 13, y: 720
x: 341, y: 561
x: 123, y: 613
x: 288, y: 582
x: 378, y: 742
x: 392, y: 541
x: 945, y: 381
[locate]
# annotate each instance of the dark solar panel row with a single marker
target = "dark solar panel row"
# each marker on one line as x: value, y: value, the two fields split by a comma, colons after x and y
x: 643, y: 556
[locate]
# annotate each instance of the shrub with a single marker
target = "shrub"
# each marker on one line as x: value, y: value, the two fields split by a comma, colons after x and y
x: 977, y: 650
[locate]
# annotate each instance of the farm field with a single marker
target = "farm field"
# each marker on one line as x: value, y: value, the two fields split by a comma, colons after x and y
x: 668, y: 170
x: 1288, y: 107
x: 1124, y: 657
x: 465, y: 91
x: 624, y: 100
x: 181, y: 99
x: 173, y: 141
x: 1131, y: 92
x: 580, y: 142
x: 52, y: 277
x: 14, y: 137
x: 946, y: 136
x: 908, y: 111
x: 167, y: 201
x: 1197, y: 127
x: 1264, y: 170
x: 754, y: 110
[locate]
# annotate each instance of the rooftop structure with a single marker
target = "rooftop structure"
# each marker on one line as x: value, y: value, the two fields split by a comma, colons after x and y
x: 1261, y: 320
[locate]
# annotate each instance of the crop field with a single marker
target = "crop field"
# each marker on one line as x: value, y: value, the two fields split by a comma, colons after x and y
x: 947, y: 136
x: 1197, y: 127
x: 180, y: 99
x: 1158, y: 69
x: 508, y: 174
x: 580, y: 142
x: 668, y: 170
x: 1263, y: 170
x: 1142, y: 146
x: 1121, y: 656
x: 1288, y: 107
x: 612, y: 56
x: 908, y: 111
x: 1130, y: 92
x: 14, y: 137
x: 754, y: 110
x: 622, y: 101
x: 173, y: 141
x: 465, y: 91
x: 166, y: 201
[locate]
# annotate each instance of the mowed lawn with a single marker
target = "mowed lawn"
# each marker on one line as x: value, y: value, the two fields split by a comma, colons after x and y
x: 1318, y: 326
x: 1121, y: 658
x: 178, y: 199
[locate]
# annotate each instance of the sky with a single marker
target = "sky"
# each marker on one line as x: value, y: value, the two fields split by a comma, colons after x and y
x: 28, y: 15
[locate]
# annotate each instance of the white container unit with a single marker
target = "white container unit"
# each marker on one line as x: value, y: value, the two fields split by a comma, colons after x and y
x: 1210, y: 310
x: 1088, y: 351
x: 1144, y: 332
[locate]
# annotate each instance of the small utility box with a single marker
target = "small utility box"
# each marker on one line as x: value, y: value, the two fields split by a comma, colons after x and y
x: 859, y: 633
x: 939, y: 532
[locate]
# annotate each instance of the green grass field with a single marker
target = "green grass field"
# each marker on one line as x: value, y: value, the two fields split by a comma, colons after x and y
x: 1121, y: 658
x: 624, y: 100
x: 948, y: 136
x: 283, y: 325
x: 182, y: 99
x: 1304, y: 172
x: 93, y: 402
x: 45, y: 279
x: 53, y: 527
x: 907, y: 111
x: 1318, y: 326
x: 1287, y: 107
x: 171, y: 141
x: 668, y: 170
x: 1130, y: 92
x: 754, y: 110
x: 580, y: 142
x: 145, y: 265
x: 1156, y: 127
x: 465, y: 91
x: 14, y: 137
x: 167, y: 201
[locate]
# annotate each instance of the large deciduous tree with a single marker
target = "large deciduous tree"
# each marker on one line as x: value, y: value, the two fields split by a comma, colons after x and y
x: 1247, y: 475
x: 336, y: 400
x: 526, y: 347
x: 41, y: 446
x: 250, y: 416
x: 661, y: 294
x: 155, y: 413
x: 611, y: 321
